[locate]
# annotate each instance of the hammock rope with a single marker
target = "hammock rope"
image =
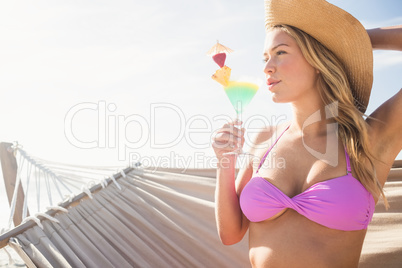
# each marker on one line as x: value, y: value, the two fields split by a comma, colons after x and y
x: 65, y: 181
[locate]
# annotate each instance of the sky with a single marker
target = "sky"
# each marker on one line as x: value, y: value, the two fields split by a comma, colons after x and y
x: 106, y: 83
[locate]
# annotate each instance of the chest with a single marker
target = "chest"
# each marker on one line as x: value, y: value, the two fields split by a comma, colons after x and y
x: 293, y: 166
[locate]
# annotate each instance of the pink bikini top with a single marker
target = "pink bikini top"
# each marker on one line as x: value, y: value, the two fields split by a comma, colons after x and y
x: 340, y: 203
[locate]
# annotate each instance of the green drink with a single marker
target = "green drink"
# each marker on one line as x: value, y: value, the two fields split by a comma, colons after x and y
x: 240, y: 94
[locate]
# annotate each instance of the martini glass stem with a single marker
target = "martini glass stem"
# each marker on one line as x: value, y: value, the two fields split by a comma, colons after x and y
x: 239, y: 149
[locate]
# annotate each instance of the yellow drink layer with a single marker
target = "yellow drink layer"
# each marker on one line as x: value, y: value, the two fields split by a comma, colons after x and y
x: 240, y: 94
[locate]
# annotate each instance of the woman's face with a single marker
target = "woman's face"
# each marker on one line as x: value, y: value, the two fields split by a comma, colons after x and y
x: 290, y: 78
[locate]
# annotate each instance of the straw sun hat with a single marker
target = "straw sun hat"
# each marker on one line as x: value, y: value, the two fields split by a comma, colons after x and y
x: 337, y: 30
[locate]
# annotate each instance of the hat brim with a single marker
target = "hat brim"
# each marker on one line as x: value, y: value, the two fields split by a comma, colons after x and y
x: 337, y: 30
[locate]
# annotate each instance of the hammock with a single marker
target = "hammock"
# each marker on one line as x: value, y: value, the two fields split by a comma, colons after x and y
x: 148, y: 218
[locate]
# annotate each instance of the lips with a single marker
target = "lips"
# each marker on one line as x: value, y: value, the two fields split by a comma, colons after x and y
x: 272, y: 82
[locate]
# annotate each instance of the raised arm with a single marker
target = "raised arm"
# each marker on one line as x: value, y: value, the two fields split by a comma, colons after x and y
x: 389, y: 38
x: 230, y: 221
x: 385, y: 122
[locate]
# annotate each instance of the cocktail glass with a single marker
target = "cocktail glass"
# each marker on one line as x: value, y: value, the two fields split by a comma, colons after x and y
x: 240, y: 93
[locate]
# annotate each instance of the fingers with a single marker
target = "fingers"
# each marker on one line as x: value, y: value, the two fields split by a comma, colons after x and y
x: 228, y: 138
x: 227, y: 142
x: 229, y: 134
x: 230, y: 128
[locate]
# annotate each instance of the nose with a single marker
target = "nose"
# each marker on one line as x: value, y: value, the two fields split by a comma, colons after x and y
x: 269, y: 67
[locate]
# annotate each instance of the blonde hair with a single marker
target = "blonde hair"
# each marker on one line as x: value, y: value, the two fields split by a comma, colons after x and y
x: 335, y: 88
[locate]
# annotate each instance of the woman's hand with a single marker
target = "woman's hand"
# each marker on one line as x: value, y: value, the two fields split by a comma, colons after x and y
x: 228, y: 139
x: 230, y: 221
x: 389, y: 38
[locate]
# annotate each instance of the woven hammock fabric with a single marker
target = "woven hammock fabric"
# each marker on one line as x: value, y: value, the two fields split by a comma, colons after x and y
x: 164, y: 219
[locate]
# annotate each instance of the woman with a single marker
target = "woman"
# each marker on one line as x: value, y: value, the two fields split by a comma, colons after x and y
x: 314, y: 211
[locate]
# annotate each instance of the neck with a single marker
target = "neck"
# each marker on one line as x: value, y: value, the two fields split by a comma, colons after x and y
x: 309, y: 118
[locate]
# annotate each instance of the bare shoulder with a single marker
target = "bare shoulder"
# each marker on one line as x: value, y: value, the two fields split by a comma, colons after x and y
x: 385, y: 129
x: 258, y: 142
x: 264, y: 137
